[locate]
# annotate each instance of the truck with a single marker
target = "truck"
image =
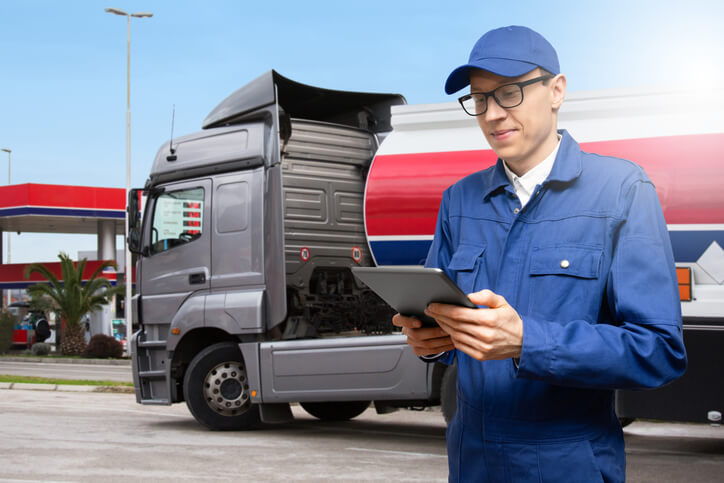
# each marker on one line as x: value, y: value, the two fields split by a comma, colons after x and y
x: 245, y: 299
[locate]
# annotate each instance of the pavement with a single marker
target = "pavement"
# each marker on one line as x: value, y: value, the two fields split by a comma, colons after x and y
x: 52, y: 436
x: 62, y: 360
x: 66, y: 387
x: 81, y: 437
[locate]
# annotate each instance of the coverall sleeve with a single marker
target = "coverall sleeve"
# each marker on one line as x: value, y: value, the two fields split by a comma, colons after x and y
x: 642, y: 347
x: 439, y: 256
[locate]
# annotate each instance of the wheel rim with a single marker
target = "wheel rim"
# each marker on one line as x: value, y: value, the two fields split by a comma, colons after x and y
x: 226, y: 389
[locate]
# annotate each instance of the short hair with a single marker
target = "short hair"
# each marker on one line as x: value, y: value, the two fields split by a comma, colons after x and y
x: 545, y: 72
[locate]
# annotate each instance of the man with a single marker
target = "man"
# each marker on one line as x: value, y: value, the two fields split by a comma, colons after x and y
x: 568, y: 255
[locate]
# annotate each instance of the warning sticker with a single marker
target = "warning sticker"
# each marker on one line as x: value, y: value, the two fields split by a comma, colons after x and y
x: 356, y: 254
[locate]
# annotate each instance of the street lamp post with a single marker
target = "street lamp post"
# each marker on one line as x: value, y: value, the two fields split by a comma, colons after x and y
x: 128, y: 270
x: 8, y: 151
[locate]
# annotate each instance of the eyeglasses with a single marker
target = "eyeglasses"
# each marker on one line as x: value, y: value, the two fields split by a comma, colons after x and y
x: 507, y: 96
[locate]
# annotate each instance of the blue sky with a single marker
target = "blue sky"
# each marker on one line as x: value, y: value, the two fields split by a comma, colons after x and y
x: 63, y: 67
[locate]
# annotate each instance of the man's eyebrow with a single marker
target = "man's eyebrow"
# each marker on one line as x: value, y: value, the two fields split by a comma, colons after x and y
x: 508, y: 80
x: 495, y: 86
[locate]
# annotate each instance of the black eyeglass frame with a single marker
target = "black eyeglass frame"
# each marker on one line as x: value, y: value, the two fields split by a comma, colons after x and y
x: 489, y: 94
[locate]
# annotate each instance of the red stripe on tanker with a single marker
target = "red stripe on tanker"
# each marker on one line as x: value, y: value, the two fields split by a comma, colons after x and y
x: 404, y: 190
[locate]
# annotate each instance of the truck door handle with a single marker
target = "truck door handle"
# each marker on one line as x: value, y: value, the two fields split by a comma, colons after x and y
x: 197, y: 278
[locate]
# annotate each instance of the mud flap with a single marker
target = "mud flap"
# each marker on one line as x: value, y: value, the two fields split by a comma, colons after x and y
x: 276, y: 413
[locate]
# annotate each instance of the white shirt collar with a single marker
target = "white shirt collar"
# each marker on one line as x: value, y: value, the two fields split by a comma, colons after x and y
x: 524, y: 185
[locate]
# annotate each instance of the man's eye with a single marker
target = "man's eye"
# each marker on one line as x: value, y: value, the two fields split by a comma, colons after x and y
x: 508, y: 93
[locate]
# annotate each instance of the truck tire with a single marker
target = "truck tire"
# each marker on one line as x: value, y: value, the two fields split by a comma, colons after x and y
x: 336, y: 411
x: 216, y: 389
x: 449, y: 393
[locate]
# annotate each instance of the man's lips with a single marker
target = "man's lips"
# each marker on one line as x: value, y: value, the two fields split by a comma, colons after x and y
x: 502, y: 134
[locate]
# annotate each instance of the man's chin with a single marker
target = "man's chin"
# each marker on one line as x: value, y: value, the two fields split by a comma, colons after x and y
x: 506, y: 153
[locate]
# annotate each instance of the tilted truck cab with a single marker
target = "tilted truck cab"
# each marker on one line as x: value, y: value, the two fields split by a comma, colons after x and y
x: 245, y: 298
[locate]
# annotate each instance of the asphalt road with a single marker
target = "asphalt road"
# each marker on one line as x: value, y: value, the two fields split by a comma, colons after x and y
x: 54, y: 436
x: 87, y: 372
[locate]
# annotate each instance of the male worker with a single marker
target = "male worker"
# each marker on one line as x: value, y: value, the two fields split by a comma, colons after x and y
x: 568, y: 254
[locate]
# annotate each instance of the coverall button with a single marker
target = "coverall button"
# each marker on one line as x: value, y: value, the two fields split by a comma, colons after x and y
x: 516, y: 210
x: 565, y: 263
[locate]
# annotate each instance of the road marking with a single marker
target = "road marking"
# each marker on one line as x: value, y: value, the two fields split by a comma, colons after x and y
x: 104, y: 409
x: 6, y: 480
x: 400, y: 453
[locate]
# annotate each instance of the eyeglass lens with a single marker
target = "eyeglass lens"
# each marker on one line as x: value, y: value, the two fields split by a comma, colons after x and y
x: 506, y: 96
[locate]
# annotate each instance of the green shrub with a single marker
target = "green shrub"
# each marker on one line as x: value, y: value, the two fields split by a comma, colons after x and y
x: 41, y: 349
x: 7, y: 324
x: 103, y: 346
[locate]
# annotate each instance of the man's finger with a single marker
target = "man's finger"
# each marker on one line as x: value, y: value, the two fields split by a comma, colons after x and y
x: 459, y: 317
x: 426, y: 333
x: 488, y: 298
x: 434, y: 351
x: 464, y: 314
x: 471, y: 351
x: 431, y: 346
x: 407, y: 322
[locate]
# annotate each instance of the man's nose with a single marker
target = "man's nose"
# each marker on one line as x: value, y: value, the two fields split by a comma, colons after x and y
x: 494, y: 111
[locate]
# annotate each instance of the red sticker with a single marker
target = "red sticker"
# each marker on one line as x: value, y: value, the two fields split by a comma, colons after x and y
x: 356, y: 254
x: 304, y: 254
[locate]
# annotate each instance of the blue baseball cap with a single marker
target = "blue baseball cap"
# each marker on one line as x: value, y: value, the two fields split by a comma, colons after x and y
x: 509, y: 52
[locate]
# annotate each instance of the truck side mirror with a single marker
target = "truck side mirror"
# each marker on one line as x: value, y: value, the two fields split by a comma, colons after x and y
x: 133, y: 213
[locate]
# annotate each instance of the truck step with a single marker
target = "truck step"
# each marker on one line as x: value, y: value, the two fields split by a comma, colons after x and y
x: 160, y: 402
x: 152, y: 343
x: 152, y: 374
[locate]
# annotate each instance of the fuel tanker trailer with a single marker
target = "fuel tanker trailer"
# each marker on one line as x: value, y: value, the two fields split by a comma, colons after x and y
x: 245, y: 297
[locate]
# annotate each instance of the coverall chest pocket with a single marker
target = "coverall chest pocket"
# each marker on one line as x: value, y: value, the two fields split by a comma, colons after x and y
x: 466, y: 265
x: 563, y: 279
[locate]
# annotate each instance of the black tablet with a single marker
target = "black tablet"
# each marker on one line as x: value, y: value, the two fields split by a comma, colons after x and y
x: 409, y: 290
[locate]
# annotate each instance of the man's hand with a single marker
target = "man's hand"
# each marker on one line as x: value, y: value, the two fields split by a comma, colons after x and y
x: 483, y: 334
x: 425, y: 341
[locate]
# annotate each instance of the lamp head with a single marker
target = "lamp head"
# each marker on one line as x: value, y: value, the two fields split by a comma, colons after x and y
x: 116, y: 11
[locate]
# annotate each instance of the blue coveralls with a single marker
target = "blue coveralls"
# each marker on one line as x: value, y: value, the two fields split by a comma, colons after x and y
x: 587, y: 263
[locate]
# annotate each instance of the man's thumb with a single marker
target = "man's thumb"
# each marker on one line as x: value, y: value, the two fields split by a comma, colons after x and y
x: 488, y: 298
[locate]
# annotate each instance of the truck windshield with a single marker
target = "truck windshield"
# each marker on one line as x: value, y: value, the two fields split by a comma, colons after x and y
x: 178, y: 218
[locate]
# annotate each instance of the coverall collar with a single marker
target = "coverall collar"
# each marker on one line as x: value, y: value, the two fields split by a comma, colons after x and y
x: 568, y: 161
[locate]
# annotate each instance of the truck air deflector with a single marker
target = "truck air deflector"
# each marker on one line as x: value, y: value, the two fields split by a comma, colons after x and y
x: 358, y: 109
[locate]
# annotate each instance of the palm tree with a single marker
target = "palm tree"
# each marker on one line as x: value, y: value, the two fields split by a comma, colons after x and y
x: 73, y: 297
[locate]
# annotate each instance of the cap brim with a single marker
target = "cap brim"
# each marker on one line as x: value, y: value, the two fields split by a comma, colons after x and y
x: 460, y: 77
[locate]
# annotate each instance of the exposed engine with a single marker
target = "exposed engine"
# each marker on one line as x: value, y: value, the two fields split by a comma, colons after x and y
x: 334, y: 303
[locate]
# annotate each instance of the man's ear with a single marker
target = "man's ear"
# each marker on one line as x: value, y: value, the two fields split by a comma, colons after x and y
x: 558, y: 91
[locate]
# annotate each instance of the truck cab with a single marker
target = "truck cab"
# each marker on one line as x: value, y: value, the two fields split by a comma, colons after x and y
x: 245, y: 298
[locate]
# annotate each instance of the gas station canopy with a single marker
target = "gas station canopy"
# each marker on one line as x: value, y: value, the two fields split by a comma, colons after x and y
x: 44, y: 208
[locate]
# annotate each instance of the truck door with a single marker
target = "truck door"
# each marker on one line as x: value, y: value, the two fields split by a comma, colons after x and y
x: 177, y: 252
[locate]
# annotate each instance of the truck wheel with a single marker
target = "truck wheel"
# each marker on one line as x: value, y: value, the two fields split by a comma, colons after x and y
x: 449, y: 393
x: 336, y: 411
x: 216, y: 389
